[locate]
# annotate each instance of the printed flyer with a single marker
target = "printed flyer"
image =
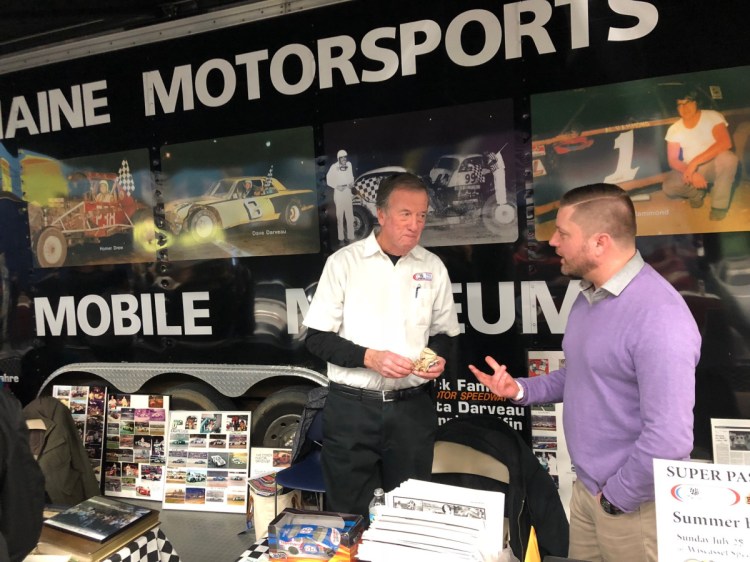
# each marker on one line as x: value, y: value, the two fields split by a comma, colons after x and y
x: 702, y: 511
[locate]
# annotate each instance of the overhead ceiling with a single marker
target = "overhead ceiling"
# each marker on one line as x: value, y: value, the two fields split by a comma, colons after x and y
x: 30, y: 24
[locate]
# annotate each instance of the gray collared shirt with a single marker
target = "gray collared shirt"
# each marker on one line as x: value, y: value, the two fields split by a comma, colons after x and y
x: 616, y: 284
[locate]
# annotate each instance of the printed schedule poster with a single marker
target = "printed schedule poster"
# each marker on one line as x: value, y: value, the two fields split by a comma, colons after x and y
x: 207, y: 461
x: 702, y: 511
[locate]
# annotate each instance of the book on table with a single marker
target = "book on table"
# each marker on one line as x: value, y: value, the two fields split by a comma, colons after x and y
x: 96, y: 527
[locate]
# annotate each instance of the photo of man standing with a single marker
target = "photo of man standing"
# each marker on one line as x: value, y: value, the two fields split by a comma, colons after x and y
x: 340, y: 178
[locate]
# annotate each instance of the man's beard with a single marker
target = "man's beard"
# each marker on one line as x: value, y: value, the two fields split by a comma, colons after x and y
x: 578, y: 269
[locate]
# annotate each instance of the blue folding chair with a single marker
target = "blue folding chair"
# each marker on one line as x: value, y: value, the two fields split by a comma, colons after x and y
x: 306, y: 472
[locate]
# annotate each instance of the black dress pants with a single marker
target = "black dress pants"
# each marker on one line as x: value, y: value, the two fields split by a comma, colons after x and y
x: 369, y: 443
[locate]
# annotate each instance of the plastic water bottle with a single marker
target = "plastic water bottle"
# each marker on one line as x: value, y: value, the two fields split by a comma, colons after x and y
x: 377, y: 502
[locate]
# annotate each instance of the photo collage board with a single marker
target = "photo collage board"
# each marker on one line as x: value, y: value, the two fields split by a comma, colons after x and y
x: 135, y: 453
x: 207, y: 461
x: 86, y: 405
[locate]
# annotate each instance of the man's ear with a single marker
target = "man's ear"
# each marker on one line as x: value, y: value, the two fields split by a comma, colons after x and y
x: 602, y: 241
x: 381, y: 216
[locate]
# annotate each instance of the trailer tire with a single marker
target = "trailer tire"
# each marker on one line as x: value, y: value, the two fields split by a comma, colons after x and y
x: 51, y: 247
x: 276, y: 419
x: 197, y: 396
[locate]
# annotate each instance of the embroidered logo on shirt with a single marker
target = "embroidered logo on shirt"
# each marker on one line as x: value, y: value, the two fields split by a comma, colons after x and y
x: 424, y: 276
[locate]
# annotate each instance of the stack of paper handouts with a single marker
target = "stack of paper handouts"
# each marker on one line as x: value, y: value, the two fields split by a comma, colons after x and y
x: 436, y: 522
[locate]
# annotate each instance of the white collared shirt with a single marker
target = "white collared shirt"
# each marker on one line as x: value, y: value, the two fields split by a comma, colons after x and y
x: 363, y: 297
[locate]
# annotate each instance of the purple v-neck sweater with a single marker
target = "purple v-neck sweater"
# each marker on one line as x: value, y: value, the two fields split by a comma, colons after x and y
x: 628, y: 387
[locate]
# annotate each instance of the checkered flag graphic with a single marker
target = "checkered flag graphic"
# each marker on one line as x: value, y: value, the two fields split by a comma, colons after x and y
x: 368, y: 187
x: 491, y: 161
x: 475, y: 173
x: 126, y: 178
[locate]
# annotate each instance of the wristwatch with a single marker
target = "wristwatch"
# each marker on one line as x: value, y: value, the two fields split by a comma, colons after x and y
x: 608, y: 507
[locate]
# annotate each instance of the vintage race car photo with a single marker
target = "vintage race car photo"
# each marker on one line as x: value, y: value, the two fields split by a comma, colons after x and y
x: 217, y: 460
x: 461, y: 188
x: 97, y: 206
x: 237, y: 201
x: 195, y: 477
x: 616, y: 134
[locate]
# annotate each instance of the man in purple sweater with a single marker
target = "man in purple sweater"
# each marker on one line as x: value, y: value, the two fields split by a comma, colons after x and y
x: 631, y: 347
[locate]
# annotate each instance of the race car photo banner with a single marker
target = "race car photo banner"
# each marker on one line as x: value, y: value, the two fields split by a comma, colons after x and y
x: 642, y: 136
x: 243, y: 196
x: 465, y: 155
x: 89, y: 210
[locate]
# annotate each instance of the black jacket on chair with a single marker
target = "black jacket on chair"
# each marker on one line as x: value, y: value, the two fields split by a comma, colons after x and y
x: 316, y: 400
x: 531, y: 498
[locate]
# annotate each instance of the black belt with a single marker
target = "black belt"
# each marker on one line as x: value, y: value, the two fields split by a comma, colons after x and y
x: 379, y: 395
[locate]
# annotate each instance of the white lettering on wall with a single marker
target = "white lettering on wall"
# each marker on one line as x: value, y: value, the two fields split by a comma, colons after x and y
x: 339, y: 60
x: 646, y: 14
x: 346, y: 48
x: 180, y: 88
x: 535, y: 295
x: 124, y: 315
x: 55, y: 109
x: 493, y: 36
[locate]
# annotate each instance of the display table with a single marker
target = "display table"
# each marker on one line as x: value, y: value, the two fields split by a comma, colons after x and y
x: 151, y: 546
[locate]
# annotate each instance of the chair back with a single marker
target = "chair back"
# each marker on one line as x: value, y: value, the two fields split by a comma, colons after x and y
x: 315, y: 431
x: 306, y: 472
x: 531, y: 496
x: 309, y: 434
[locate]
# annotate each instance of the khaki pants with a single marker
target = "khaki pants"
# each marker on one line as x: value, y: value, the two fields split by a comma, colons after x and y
x: 596, y: 536
x: 720, y: 171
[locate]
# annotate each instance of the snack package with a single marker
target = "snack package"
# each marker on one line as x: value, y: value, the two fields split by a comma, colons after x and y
x: 426, y: 360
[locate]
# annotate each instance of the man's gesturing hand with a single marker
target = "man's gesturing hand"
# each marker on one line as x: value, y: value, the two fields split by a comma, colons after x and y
x: 499, y: 382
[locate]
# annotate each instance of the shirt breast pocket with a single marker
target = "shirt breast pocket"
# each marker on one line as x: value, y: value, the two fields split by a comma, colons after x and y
x: 421, y: 303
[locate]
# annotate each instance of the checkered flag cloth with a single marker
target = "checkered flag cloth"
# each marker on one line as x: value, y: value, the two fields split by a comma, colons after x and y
x: 491, y: 161
x: 126, y: 178
x: 368, y: 187
x: 151, y: 547
x: 258, y: 551
x: 475, y: 173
